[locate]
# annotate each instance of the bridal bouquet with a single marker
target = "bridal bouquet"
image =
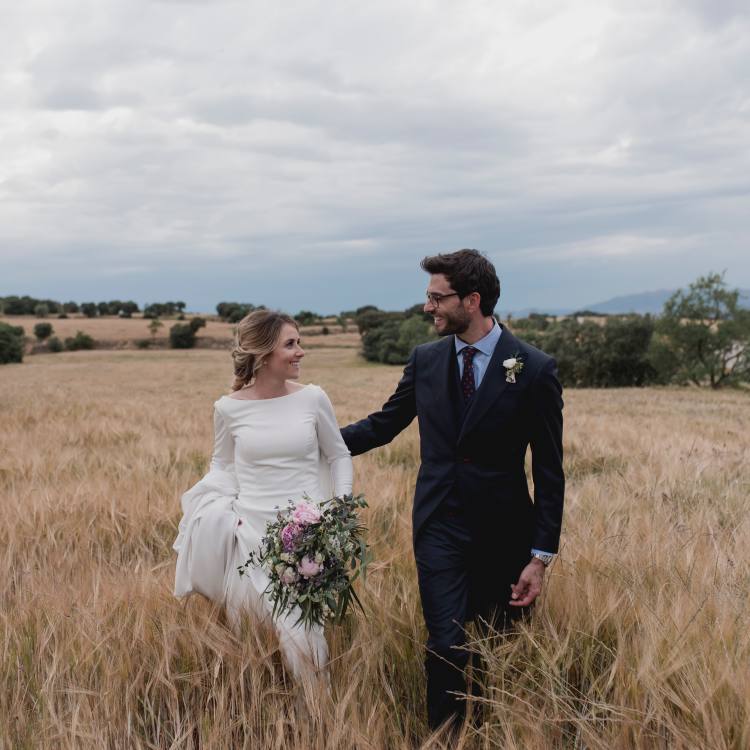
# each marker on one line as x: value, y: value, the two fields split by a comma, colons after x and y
x: 313, y: 554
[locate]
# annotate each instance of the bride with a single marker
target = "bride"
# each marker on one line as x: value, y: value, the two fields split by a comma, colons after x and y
x: 275, y: 440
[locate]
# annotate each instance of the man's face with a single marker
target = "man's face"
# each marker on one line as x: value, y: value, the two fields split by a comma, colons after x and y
x: 448, y: 313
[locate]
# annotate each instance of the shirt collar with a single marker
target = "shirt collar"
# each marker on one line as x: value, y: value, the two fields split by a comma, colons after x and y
x: 486, y: 344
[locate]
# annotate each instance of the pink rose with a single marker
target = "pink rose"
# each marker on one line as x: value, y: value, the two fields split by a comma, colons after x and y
x: 309, y: 568
x: 305, y: 513
x: 289, y: 535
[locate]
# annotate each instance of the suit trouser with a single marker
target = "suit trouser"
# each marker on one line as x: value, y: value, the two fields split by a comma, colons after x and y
x: 457, y: 584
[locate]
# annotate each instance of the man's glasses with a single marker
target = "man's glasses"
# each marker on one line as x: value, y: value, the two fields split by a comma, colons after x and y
x: 435, y: 299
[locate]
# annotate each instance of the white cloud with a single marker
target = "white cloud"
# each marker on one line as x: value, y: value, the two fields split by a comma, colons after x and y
x: 213, y: 133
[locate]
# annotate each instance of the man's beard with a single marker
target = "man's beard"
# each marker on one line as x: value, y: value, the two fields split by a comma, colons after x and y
x: 454, y: 323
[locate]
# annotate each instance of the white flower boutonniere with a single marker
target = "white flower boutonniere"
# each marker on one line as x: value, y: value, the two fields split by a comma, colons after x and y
x: 512, y: 366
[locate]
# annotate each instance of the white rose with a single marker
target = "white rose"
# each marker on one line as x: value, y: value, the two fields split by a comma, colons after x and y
x: 508, y: 363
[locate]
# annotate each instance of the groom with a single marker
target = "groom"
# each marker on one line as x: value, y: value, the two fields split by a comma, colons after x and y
x: 481, y: 397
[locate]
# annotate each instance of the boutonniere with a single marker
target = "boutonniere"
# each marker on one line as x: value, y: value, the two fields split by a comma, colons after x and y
x: 512, y: 366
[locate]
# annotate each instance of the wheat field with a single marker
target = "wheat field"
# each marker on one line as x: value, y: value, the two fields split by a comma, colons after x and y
x: 641, y: 639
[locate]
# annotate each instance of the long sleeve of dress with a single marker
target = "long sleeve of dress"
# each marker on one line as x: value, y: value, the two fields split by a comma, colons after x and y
x: 333, y: 447
x: 223, y: 455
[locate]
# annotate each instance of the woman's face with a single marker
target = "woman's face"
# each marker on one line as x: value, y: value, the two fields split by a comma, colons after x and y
x: 284, y: 361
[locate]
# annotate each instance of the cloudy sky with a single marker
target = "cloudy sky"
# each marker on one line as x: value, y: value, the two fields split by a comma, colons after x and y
x: 307, y: 154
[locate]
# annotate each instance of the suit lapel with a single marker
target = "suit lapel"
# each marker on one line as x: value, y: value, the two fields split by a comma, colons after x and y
x: 493, y: 381
x: 443, y: 380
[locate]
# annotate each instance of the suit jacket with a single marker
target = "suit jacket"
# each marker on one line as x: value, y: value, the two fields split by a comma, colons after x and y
x: 475, y: 455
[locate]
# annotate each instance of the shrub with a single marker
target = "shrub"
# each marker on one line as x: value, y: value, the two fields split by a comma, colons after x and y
x: 11, y: 344
x: 154, y: 327
x: 143, y: 343
x: 181, y: 336
x: 43, y: 331
x: 80, y: 341
x: 325, y: 331
x: 55, y: 345
x: 41, y: 310
x: 196, y: 323
x: 62, y: 315
x: 590, y: 355
x: 392, y: 341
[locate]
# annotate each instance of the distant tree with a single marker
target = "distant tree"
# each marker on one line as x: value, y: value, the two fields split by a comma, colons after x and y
x: 71, y: 307
x: 587, y: 314
x: 11, y: 344
x: 418, y: 311
x: 392, y: 341
x: 41, y: 310
x: 373, y: 318
x: 43, y: 331
x: 154, y: 325
x: 413, y: 331
x: 379, y: 343
x: 307, y: 318
x: 15, y: 305
x: 103, y: 308
x: 703, y: 335
x: 343, y: 321
x: 532, y: 322
x: 89, y: 309
x: 234, y: 312
x: 625, y: 353
x: 590, y: 355
x: 80, y: 341
x: 181, y: 336
x: 325, y: 330
x: 197, y: 323
x: 162, y: 309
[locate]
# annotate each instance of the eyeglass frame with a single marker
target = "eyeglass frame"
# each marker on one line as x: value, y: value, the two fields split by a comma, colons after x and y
x: 435, y: 299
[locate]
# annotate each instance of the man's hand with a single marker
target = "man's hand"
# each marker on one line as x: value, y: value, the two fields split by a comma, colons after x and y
x: 529, y: 584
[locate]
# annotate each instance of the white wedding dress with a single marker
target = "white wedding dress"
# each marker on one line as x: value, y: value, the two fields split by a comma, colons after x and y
x: 266, y: 452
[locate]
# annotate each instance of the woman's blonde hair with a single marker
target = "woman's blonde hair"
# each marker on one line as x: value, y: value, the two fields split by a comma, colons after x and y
x: 256, y: 337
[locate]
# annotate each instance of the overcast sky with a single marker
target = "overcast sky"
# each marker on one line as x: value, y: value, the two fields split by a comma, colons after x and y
x: 308, y: 154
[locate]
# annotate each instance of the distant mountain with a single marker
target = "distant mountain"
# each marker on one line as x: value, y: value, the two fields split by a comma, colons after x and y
x: 645, y: 302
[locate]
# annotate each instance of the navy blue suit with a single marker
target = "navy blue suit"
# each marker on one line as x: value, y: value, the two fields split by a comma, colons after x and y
x: 474, y: 523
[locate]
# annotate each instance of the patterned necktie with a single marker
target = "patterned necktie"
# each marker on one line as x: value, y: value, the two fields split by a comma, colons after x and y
x: 467, y: 379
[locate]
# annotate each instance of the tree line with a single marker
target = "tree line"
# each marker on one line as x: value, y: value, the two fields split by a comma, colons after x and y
x: 702, y: 336
x: 43, y: 308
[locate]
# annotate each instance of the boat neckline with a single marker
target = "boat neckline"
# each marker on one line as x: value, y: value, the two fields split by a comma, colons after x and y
x: 272, y: 398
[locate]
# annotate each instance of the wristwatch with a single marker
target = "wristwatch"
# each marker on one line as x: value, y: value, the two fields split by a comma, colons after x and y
x: 544, y: 557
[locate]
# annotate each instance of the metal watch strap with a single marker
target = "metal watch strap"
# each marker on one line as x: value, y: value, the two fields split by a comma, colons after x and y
x: 545, y: 559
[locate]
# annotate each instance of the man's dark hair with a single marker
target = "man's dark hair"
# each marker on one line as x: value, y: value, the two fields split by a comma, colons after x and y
x: 467, y: 271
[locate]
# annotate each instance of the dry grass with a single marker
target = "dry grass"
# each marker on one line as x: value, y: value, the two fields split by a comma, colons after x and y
x: 641, y: 641
x: 122, y: 333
